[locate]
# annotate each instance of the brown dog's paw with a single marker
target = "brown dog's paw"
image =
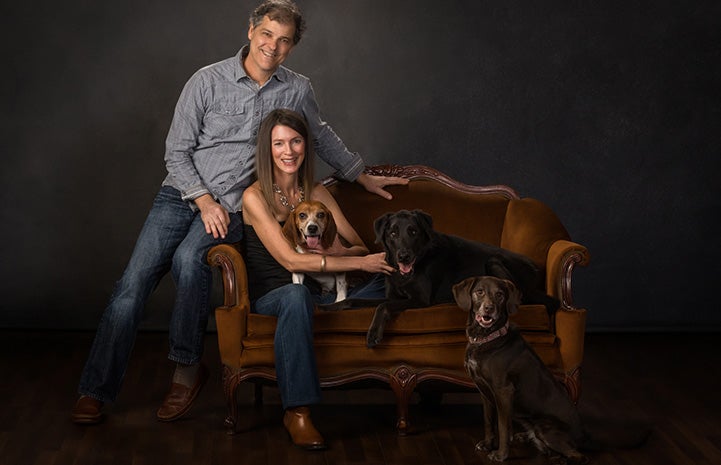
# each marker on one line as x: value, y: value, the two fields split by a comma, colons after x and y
x: 577, y: 458
x: 498, y: 456
x: 573, y: 458
x: 483, y: 446
x: 524, y: 437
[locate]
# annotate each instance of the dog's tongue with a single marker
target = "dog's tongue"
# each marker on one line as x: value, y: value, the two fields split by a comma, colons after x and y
x: 312, y: 241
x: 405, y: 268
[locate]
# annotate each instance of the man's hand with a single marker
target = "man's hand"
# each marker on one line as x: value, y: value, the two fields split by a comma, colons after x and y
x: 375, y: 184
x: 215, y: 218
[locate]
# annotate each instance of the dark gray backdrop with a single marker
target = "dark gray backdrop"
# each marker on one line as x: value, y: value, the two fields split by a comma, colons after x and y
x: 607, y: 111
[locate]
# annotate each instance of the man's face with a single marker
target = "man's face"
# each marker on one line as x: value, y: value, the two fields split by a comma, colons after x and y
x: 270, y: 44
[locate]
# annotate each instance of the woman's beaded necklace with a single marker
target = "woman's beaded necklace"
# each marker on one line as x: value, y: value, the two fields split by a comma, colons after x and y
x: 284, y: 200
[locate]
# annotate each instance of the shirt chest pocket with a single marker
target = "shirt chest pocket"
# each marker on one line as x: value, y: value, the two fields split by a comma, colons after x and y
x: 225, y: 119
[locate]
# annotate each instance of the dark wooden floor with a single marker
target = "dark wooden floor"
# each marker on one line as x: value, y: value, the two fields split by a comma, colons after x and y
x: 670, y: 383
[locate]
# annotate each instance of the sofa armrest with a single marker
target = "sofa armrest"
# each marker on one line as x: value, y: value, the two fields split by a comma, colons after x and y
x: 232, y: 317
x: 563, y: 257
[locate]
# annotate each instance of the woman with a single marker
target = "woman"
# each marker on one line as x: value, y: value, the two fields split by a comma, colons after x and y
x: 284, y: 166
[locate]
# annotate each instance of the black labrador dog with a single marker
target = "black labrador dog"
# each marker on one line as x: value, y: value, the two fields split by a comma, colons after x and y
x: 429, y: 263
x: 514, y: 382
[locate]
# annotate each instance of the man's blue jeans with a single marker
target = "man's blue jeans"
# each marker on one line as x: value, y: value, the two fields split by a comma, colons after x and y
x: 295, y: 363
x: 172, y: 239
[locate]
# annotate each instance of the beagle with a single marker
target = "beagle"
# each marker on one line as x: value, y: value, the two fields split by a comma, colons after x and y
x: 312, y: 224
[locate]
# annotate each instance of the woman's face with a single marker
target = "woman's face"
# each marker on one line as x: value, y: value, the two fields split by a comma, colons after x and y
x: 288, y: 148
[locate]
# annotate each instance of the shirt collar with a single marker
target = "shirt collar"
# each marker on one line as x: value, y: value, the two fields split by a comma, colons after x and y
x: 281, y: 74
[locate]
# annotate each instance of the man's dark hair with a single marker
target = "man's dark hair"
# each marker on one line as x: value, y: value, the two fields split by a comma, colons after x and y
x: 282, y: 11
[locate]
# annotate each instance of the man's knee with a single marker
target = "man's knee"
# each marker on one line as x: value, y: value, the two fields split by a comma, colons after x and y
x: 190, y: 262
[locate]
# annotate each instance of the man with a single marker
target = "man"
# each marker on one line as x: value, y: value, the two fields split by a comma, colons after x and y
x: 209, y: 158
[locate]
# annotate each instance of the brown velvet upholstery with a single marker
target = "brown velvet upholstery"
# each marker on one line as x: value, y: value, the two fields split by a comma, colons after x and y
x: 420, y: 345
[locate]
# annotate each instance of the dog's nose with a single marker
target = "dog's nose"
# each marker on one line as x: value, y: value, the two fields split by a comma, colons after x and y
x: 312, y: 228
x: 403, y: 256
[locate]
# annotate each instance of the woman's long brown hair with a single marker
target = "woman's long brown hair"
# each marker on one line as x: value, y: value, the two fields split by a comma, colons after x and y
x: 264, y: 153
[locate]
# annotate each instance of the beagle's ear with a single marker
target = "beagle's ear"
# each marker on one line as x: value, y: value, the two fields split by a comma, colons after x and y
x: 330, y: 231
x: 379, y: 226
x: 290, y: 230
x: 462, y: 293
x: 514, y: 297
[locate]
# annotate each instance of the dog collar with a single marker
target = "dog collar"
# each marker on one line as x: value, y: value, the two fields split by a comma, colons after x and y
x: 500, y: 332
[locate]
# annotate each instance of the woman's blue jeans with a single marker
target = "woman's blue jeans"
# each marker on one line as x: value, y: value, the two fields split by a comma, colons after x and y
x: 295, y: 363
x: 172, y: 239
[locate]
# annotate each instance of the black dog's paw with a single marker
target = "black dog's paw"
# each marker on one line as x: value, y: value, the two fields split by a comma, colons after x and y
x: 375, y: 334
x: 372, y: 339
x: 377, y: 327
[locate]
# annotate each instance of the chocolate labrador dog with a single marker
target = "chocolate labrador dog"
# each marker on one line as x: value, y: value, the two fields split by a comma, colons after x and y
x: 514, y: 382
x: 430, y: 262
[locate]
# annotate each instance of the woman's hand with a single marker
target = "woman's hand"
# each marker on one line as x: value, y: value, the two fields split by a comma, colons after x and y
x: 376, y: 263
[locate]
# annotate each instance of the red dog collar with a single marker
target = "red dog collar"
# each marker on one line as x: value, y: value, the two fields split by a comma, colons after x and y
x: 494, y: 335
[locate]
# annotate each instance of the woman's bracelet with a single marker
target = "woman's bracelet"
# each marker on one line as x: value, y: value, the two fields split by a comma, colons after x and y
x: 322, y: 264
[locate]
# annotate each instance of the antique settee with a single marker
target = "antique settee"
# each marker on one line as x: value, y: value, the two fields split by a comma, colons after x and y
x: 422, y: 347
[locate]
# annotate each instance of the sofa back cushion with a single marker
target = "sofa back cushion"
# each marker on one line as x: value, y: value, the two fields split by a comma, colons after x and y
x: 470, y: 215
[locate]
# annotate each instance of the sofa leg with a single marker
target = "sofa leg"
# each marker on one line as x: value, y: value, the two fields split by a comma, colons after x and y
x: 572, y: 382
x: 403, y: 382
x: 230, y: 387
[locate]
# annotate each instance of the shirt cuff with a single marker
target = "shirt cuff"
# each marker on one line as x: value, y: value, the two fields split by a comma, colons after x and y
x: 194, y: 193
x: 352, y: 170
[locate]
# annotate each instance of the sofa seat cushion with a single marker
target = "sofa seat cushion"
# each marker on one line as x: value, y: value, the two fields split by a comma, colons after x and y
x: 340, y: 339
x: 339, y: 353
x: 437, y: 319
